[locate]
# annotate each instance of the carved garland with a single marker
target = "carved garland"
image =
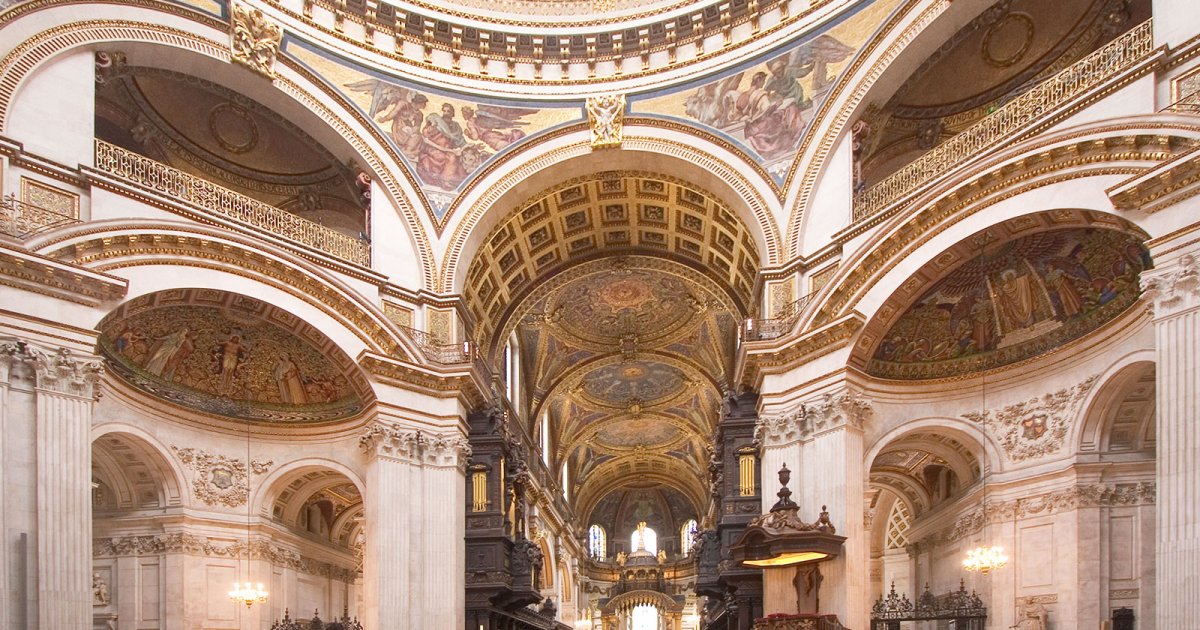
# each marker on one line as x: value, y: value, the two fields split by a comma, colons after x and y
x: 220, y: 480
x: 1036, y: 427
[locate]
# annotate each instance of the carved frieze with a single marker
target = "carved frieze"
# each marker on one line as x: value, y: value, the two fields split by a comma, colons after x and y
x: 254, y: 40
x: 1172, y: 289
x: 390, y: 441
x: 185, y: 543
x: 1036, y: 427
x: 220, y: 480
x: 1065, y: 500
x: 845, y: 407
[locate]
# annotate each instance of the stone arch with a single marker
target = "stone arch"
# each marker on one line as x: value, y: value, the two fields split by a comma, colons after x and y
x: 216, y: 259
x: 987, y: 453
x: 681, y: 154
x: 201, y: 40
x: 1122, y: 404
x: 136, y: 464
x: 308, y: 476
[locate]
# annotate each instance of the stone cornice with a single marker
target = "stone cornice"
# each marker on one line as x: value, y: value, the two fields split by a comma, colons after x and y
x: 1173, y: 289
x: 1064, y: 500
x: 843, y: 407
x: 39, y: 274
x: 788, y: 351
x: 190, y: 544
x: 391, y: 441
x: 59, y: 371
x: 457, y: 383
x: 1161, y: 186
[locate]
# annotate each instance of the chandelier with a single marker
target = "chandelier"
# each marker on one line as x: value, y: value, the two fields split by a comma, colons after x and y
x: 985, y: 559
x: 245, y: 593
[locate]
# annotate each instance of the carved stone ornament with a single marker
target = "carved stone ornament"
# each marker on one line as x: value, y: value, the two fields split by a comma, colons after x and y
x: 606, y: 117
x: 1054, y: 502
x: 1173, y: 289
x: 1037, y: 427
x: 100, y: 595
x: 415, y: 447
x: 831, y: 410
x: 190, y: 544
x: 58, y: 370
x: 220, y: 480
x: 255, y: 40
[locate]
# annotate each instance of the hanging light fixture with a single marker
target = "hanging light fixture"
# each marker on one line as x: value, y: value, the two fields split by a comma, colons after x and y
x: 245, y: 592
x: 985, y: 558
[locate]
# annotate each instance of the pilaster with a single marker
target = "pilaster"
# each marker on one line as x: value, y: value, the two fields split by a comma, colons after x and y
x: 1173, y: 291
x: 414, y: 561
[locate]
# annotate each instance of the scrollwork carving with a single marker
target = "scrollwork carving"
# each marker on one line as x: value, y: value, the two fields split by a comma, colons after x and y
x: 1170, y: 290
x: 1036, y: 427
x: 59, y: 371
x: 845, y: 407
x: 220, y: 480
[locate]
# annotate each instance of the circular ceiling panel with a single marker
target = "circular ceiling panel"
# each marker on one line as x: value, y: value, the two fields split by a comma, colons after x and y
x: 633, y: 383
x: 636, y: 432
x: 625, y: 306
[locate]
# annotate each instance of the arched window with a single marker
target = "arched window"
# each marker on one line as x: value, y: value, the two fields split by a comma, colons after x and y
x: 546, y: 437
x: 512, y: 371
x: 596, y: 542
x: 687, y: 536
x: 644, y: 535
x: 644, y: 617
x: 900, y: 518
x: 566, y: 484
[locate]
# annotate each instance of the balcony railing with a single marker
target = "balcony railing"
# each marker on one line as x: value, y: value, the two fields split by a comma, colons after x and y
x: 176, y: 184
x: 22, y: 220
x: 781, y: 324
x: 1001, y: 125
x: 438, y: 351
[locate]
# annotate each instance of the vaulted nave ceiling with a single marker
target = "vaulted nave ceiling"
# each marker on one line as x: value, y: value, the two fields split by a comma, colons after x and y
x: 622, y: 292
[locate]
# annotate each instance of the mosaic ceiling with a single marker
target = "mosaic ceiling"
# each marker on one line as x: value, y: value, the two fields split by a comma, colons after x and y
x: 230, y: 355
x: 991, y: 301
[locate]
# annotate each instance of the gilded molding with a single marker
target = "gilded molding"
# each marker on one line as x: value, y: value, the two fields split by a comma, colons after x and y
x: 1036, y: 427
x: 1160, y: 187
x: 844, y: 407
x: 193, y: 545
x: 1174, y: 289
x: 59, y: 279
x: 808, y: 346
x: 444, y: 385
x: 385, y: 440
x: 220, y: 480
x: 254, y: 40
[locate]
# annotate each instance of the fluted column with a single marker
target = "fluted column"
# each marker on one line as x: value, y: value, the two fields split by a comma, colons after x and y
x: 414, y: 560
x: 1173, y: 290
x: 823, y: 439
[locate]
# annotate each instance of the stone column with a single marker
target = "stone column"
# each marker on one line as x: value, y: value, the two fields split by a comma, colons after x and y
x: 1173, y: 290
x: 414, y: 561
x: 823, y: 438
x: 64, y: 393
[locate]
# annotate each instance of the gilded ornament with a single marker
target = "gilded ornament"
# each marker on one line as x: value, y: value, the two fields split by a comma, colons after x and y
x: 254, y: 40
x: 606, y: 116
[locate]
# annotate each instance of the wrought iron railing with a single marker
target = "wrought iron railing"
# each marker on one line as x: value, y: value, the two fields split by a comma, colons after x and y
x: 23, y: 220
x: 437, y: 350
x: 1014, y: 116
x: 779, y: 325
x: 229, y: 204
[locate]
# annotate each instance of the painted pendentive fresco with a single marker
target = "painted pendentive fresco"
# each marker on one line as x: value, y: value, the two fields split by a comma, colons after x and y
x: 767, y: 107
x: 1015, y: 301
x: 444, y: 138
x: 230, y: 355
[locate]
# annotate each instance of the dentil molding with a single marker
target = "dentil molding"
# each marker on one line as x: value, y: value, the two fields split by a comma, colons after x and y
x: 391, y: 441
x: 844, y: 407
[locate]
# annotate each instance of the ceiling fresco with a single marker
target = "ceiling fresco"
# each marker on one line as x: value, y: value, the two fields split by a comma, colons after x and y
x: 632, y: 382
x: 629, y: 304
x: 231, y: 355
x: 1014, y: 301
x: 766, y: 106
x: 442, y: 137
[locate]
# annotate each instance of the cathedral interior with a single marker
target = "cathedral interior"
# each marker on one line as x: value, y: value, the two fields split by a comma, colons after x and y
x: 599, y: 314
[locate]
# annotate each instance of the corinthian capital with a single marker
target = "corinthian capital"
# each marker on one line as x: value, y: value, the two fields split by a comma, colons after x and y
x: 58, y: 370
x: 390, y: 441
x: 833, y: 409
x: 1173, y: 288
x: 782, y: 429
